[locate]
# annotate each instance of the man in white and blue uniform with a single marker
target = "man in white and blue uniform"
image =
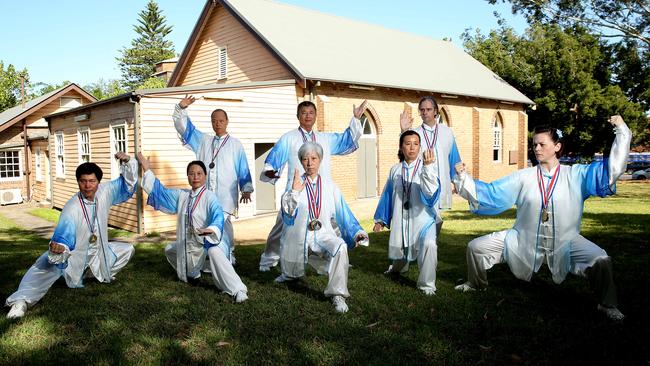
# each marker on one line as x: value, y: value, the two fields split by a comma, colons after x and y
x: 224, y: 158
x: 80, y: 246
x: 285, y: 151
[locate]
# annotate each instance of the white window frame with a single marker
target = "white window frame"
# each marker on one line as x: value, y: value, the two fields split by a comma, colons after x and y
x: 20, y: 166
x: 115, y: 165
x: 68, y: 100
x: 497, y: 139
x: 223, y: 63
x: 59, y: 150
x: 80, y: 144
x: 38, y: 164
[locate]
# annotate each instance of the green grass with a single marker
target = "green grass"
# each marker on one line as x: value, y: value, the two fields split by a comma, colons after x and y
x: 148, y: 317
x: 52, y: 215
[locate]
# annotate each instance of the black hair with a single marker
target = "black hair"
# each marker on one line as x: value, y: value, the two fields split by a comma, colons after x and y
x: 432, y: 100
x: 89, y: 168
x: 199, y: 163
x: 553, y: 133
x: 305, y: 104
x: 219, y: 110
x: 400, y: 155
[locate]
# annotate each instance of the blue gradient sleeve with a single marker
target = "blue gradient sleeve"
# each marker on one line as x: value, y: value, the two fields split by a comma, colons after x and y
x: 346, y: 221
x: 594, y: 178
x: 66, y: 230
x: 498, y: 196
x: 243, y: 173
x: 120, y: 190
x: 164, y: 199
x: 192, y: 136
x: 454, y: 158
x: 431, y: 201
x: 279, y: 155
x: 384, y: 211
x: 342, y: 143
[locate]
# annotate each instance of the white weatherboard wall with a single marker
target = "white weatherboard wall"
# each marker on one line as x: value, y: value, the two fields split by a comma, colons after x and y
x: 256, y: 115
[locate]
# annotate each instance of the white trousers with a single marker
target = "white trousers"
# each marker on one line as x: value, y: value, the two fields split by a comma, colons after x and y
x: 588, y: 260
x: 223, y: 273
x: 42, y: 274
x: 271, y: 255
x: 337, y: 269
x: 427, y: 257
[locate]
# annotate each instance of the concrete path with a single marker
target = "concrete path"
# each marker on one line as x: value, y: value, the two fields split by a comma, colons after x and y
x: 247, y: 231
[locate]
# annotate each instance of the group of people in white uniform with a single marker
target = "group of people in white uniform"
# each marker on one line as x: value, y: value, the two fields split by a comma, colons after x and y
x: 315, y: 226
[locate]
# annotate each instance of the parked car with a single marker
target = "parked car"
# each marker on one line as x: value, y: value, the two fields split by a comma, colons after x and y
x: 641, y: 174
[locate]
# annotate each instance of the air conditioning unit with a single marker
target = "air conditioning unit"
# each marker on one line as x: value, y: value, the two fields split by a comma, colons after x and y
x: 8, y: 196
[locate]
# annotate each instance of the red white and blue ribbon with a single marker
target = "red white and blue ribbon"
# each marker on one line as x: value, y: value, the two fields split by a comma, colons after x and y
x: 406, y: 183
x: 431, y: 143
x: 313, y: 197
x: 304, y: 136
x: 546, y: 191
x: 223, y: 142
x: 91, y: 226
x: 190, y: 210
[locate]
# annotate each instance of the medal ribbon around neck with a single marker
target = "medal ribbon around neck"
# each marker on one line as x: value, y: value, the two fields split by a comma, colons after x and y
x: 190, y: 211
x: 214, y: 157
x: 546, y: 192
x: 313, y: 198
x: 304, y: 136
x: 431, y: 144
x: 406, y: 184
x: 85, y: 212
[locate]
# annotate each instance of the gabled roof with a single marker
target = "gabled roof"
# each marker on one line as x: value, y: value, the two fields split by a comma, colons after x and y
x: 338, y: 49
x: 12, y: 115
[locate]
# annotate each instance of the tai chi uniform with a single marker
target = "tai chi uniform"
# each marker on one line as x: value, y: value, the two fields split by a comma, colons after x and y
x: 548, y: 234
x: 195, y: 209
x: 285, y: 151
x: 226, y: 162
x: 322, y: 248
x: 441, y: 140
x: 83, y: 231
x: 408, y: 207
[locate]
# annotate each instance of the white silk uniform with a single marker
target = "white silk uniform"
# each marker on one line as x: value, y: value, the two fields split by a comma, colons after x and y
x: 555, y: 241
x: 104, y: 259
x: 195, y: 209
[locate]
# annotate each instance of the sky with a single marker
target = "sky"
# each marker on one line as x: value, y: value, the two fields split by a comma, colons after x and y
x: 78, y: 40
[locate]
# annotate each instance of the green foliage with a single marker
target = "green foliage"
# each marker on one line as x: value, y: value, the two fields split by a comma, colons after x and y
x: 104, y: 89
x: 567, y: 73
x: 153, y: 83
x: 147, y: 316
x: 137, y: 63
x: 10, y: 84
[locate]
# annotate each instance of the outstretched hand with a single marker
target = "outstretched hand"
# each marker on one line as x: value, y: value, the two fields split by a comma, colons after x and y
x: 428, y: 156
x: 245, y: 197
x: 405, y: 121
x: 144, y: 162
x: 298, y: 183
x: 358, y: 111
x: 122, y: 157
x: 185, y: 102
x: 616, y: 120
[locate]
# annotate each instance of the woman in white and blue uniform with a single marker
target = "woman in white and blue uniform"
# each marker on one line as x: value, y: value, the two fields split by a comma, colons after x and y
x: 407, y: 207
x: 199, y: 229
x: 308, y: 209
x: 550, y: 200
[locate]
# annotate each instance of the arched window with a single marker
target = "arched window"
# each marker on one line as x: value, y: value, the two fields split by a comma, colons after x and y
x: 367, y: 123
x: 444, y: 117
x: 497, y: 133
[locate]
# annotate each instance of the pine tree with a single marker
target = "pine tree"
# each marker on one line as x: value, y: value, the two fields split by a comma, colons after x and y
x: 138, y: 62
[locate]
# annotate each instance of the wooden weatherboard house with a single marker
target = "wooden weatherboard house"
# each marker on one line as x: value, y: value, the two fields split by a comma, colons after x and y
x: 24, y: 153
x: 243, y: 58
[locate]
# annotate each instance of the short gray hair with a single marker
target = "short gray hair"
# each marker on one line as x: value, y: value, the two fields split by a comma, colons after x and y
x: 310, y: 147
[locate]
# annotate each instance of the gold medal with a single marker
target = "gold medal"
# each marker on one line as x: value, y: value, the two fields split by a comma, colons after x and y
x: 407, y: 205
x: 545, y: 215
x: 314, y: 225
x: 93, y: 239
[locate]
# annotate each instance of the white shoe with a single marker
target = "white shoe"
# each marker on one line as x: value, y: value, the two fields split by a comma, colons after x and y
x: 612, y: 313
x: 282, y: 278
x: 17, y: 310
x: 264, y: 268
x: 428, y: 291
x: 339, y: 304
x: 240, y: 297
x: 465, y: 287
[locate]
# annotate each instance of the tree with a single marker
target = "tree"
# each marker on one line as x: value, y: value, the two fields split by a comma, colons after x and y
x: 628, y: 19
x: 104, y: 89
x: 138, y: 62
x: 567, y: 73
x: 10, y: 85
x: 41, y: 88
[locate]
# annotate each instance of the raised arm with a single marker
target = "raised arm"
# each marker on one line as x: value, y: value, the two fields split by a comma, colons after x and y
x: 123, y: 187
x: 620, y: 149
x: 160, y: 197
x: 347, y: 142
x: 429, y: 179
x: 276, y: 160
x: 189, y: 135
x: 487, y: 198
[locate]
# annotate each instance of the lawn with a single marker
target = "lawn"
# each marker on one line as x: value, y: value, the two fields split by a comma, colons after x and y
x: 148, y: 317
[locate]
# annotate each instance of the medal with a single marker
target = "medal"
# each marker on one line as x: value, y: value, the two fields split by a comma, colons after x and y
x: 431, y: 143
x: 406, y: 184
x: 546, y: 192
x: 93, y: 239
x: 304, y: 137
x: 314, y: 225
x: 189, y: 224
x: 214, y: 157
x: 407, y: 205
x: 91, y: 226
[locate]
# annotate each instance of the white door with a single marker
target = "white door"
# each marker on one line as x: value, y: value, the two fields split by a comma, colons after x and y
x: 264, y: 192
